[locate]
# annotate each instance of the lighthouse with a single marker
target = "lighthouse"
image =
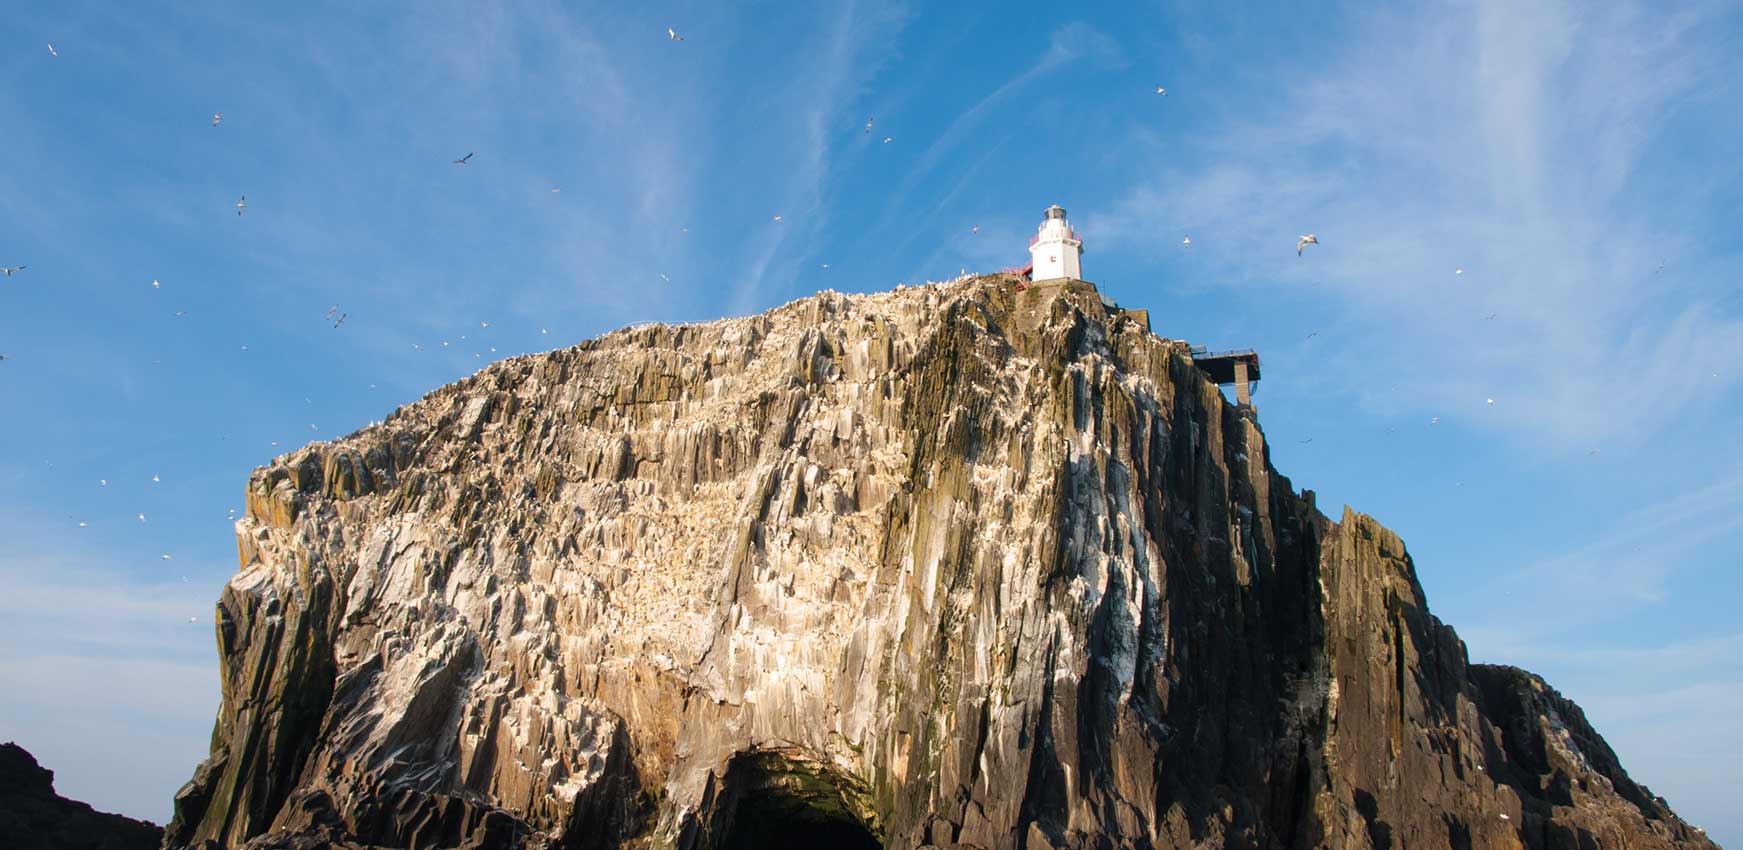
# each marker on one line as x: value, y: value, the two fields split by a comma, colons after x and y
x: 1055, y: 250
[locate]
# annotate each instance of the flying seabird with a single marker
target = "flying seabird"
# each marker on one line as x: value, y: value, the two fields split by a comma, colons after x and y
x: 241, y: 204
x: 462, y: 160
x: 868, y: 126
x: 1459, y: 270
x: 777, y: 218
x: 51, y: 49
x: 673, y: 34
x: 340, y: 321
x: 888, y: 139
x: 1162, y: 91
x: 664, y: 278
x: 8, y: 270
x: 974, y: 229
x: 155, y: 284
x: 1490, y: 401
x: 1186, y: 242
x: 217, y: 117
x: 1305, y: 241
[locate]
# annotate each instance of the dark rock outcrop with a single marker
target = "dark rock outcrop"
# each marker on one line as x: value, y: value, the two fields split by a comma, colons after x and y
x: 957, y: 565
x: 34, y: 817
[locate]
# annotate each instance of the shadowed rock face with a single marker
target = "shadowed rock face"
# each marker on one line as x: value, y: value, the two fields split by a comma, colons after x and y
x: 34, y: 817
x: 954, y: 565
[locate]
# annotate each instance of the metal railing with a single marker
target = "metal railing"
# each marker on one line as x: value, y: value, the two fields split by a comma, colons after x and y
x: 1069, y: 234
x: 1200, y: 352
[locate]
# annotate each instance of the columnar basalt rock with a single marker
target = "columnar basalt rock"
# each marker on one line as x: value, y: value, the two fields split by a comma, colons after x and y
x: 955, y: 565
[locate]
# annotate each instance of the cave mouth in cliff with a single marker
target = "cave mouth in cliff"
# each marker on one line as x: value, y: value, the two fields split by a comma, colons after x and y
x: 780, y: 799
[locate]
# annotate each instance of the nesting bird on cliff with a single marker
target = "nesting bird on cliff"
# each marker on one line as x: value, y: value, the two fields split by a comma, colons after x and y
x: 1305, y: 241
x: 8, y: 270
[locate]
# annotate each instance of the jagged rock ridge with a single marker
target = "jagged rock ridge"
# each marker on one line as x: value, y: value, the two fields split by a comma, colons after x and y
x: 957, y: 565
x: 34, y: 817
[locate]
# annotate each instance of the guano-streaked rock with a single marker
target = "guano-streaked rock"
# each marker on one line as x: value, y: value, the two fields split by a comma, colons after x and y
x: 954, y: 566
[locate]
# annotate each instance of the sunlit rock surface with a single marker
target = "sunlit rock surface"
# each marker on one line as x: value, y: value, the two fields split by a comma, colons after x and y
x: 960, y: 565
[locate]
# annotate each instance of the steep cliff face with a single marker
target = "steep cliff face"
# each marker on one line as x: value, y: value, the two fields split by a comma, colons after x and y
x: 957, y: 565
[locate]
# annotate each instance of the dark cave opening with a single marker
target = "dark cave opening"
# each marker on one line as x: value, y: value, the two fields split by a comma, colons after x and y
x: 764, y: 828
x: 778, y: 800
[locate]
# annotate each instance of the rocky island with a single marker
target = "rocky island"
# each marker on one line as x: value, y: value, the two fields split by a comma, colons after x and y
x: 966, y: 565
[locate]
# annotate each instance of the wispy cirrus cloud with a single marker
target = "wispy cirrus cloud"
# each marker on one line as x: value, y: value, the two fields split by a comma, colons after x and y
x: 1516, y: 143
x: 108, y: 682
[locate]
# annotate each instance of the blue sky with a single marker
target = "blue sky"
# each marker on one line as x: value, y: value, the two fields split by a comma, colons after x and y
x: 1577, y: 161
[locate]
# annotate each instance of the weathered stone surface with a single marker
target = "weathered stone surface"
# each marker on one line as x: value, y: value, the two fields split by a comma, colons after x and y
x: 34, y: 817
x: 953, y: 566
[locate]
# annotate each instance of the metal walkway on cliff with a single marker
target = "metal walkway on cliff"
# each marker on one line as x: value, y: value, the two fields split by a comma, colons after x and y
x: 1238, y: 367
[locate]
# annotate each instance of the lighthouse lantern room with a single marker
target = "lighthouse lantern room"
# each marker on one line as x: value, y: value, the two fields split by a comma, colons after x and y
x: 1055, y: 248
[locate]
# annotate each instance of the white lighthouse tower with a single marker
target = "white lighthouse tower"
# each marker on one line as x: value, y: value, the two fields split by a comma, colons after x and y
x: 1055, y: 249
